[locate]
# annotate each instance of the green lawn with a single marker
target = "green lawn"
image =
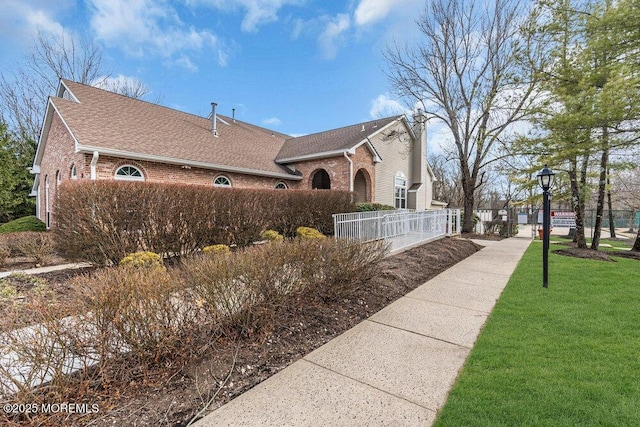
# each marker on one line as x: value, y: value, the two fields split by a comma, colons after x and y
x: 565, y: 356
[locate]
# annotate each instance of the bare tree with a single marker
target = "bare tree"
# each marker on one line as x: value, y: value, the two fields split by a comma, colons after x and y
x: 23, y: 93
x: 471, y: 72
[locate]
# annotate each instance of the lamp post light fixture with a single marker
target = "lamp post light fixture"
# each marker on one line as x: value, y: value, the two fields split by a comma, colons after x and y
x: 545, y: 180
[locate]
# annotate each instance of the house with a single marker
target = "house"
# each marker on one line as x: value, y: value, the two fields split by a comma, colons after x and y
x: 89, y: 134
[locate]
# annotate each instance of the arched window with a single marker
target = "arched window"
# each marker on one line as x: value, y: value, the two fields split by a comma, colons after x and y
x: 400, y: 191
x: 281, y: 185
x: 222, y: 181
x: 129, y: 173
x: 321, y: 180
x: 58, y: 178
x: 74, y: 172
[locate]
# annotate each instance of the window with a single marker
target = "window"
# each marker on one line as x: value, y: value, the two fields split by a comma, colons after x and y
x: 222, y: 181
x: 47, y: 211
x: 400, y: 191
x: 74, y: 172
x: 281, y: 185
x: 129, y: 173
x: 58, y: 178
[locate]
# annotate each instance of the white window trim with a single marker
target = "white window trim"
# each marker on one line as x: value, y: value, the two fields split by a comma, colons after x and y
x: 222, y: 185
x: 128, y: 177
x: 281, y: 185
x: 47, y: 211
x: 398, y: 201
x: 74, y: 172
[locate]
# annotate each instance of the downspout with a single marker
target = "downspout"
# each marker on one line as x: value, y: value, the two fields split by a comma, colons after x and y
x: 346, y: 156
x: 94, y: 162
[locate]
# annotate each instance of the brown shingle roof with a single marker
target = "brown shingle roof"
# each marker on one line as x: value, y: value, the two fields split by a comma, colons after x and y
x: 332, y: 140
x: 103, y: 120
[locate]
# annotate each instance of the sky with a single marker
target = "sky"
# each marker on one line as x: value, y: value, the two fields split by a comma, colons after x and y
x: 294, y: 66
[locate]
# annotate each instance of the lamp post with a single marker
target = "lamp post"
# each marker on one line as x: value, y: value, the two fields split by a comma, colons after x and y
x: 545, y: 180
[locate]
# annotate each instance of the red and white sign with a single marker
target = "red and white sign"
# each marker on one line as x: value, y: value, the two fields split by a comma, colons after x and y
x: 565, y: 219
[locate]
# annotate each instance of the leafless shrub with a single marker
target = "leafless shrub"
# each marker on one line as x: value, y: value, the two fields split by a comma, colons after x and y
x: 144, y: 312
x: 106, y: 220
x: 36, y: 245
x: 4, y: 253
x: 244, y: 290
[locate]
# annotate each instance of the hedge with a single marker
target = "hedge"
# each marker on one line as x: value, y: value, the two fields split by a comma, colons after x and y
x: 106, y: 220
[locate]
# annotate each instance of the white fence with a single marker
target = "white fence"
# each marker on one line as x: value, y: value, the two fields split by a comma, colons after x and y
x: 401, y: 228
x: 484, y: 215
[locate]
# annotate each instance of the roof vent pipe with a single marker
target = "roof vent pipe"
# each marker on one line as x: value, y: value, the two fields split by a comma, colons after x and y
x: 233, y: 114
x: 214, y: 120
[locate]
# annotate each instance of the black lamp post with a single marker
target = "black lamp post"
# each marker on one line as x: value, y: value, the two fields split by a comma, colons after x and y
x: 545, y: 179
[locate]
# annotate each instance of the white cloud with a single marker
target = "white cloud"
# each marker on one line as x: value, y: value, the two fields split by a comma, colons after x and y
x: 332, y: 36
x: 143, y: 27
x: 21, y: 20
x: 371, y: 11
x: 185, y: 62
x: 257, y: 12
x: 383, y: 106
x: 272, y: 121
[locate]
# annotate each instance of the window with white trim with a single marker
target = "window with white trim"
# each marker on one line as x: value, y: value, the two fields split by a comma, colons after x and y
x: 58, y: 178
x: 74, y: 172
x: 400, y: 191
x: 129, y: 173
x: 222, y: 182
x: 281, y: 185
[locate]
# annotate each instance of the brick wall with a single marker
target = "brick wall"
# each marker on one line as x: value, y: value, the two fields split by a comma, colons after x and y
x: 58, y: 158
x: 162, y: 172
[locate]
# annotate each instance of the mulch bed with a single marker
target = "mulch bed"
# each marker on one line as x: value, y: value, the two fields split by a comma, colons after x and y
x: 175, y: 402
x: 231, y: 368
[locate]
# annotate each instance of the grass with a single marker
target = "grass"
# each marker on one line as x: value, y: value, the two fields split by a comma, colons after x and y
x: 564, y: 356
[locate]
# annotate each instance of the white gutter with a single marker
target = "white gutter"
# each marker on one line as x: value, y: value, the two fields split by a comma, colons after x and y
x: 313, y: 156
x: 346, y: 156
x: 94, y: 162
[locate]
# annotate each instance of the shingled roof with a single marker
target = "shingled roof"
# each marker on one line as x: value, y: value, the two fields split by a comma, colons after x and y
x: 331, y: 141
x: 117, y: 125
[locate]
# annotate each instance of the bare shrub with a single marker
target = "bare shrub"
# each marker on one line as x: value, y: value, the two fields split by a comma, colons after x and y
x: 37, y: 360
x: 144, y: 312
x: 345, y: 265
x: 244, y: 290
x: 37, y: 245
x: 4, y: 253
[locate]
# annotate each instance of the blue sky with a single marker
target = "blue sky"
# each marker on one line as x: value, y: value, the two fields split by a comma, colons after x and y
x: 295, y: 66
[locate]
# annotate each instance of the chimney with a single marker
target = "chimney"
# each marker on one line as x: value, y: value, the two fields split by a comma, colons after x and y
x: 214, y: 120
x: 419, y: 152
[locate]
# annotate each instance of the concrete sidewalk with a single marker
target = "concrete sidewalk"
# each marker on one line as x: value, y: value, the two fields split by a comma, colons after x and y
x: 395, y: 368
x: 40, y: 270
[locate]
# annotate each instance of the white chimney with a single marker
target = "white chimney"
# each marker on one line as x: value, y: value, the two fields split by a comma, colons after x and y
x: 214, y: 120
